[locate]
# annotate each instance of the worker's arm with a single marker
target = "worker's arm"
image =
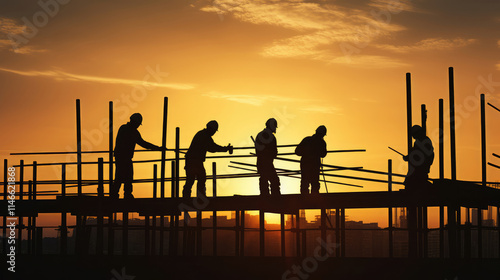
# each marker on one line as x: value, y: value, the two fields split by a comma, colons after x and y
x: 147, y: 145
x: 213, y: 147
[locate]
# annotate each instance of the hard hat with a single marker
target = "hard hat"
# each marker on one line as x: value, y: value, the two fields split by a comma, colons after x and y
x: 321, y: 130
x: 416, y: 129
x: 272, y: 122
x: 213, y: 125
x: 136, y: 118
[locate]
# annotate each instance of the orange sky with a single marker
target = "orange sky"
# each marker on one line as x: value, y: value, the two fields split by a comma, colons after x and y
x: 306, y: 63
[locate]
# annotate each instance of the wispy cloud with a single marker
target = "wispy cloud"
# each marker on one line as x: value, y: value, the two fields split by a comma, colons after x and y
x: 322, y: 26
x: 434, y: 44
x: 9, y: 30
x: 65, y: 76
x: 254, y: 100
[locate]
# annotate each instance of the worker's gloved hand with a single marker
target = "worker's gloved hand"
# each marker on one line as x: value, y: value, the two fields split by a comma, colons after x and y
x: 405, y: 158
x: 229, y: 149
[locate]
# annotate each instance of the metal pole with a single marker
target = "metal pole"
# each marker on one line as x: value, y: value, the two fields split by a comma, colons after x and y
x: 155, y: 191
x: 282, y: 220
x: 483, y: 176
x: 164, y: 145
x: 21, y: 197
x: 79, y: 146
x: 262, y: 233
x: 100, y: 217
x: 423, y: 212
x: 214, y: 213
x: 441, y: 176
x: 110, y: 144
x: 242, y: 242
x: 412, y: 210
x: 456, y: 208
x: 391, y: 242
x: 64, y: 228
x: 177, y: 159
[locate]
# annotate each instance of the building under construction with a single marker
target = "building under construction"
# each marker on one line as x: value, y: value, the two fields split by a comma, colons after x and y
x: 96, y: 232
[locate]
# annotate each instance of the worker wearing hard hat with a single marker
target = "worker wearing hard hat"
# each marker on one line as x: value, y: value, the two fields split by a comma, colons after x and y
x: 126, y: 139
x: 266, y: 150
x: 420, y: 157
x: 201, y: 144
x: 311, y: 149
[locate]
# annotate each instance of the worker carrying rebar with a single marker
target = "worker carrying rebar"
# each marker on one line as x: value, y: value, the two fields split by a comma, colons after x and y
x: 420, y: 158
x: 311, y: 149
x: 267, y: 150
x: 126, y: 139
x: 201, y: 144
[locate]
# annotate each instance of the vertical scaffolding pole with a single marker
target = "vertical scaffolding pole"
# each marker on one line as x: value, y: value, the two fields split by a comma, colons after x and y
x: 30, y: 218
x: 342, y: 229
x: 79, y: 146
x: 323, y: 229
x: 282, y: 223
x: 262, y: 233
x: 441, y: 175
x: 453, y: 210
x: 483, y: 176
x: 163, y: 153
x: 214, y: 213
x: 391, y: 241
x: 125, y: 234
x: 100, y: 217
x: 21, y: 197
x: 64, y: 228
x: 176, y: 183
x: 110, y: 144
x: 34, y: 191
x: 242, y: 230
x: 412, y: 210
x: 337, y: 232
x: 155, y: 192
x: 423, y: 212
x: 297, y: 228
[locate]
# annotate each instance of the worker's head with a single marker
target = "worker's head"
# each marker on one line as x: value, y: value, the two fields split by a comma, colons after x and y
x: 136, y: 119
x: 321, y: 130
x: 272, y: 124
x: 212, y: 127
x: 417, y: 132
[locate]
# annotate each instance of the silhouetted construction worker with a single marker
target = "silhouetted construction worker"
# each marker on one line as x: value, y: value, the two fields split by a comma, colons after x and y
x: 127, y: 137
x: 420, y: 158
x: 311, y: 149
x: 195, y: 156
x: 267, y: 150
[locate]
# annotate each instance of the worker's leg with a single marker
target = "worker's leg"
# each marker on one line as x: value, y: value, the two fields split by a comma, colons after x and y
x: 201, y: 175
x: 314, y: 179
x: 190, y: 177
x: 275, y: 180
x: 263, y: 179
x: 304, y: 178
x: 127, y: 184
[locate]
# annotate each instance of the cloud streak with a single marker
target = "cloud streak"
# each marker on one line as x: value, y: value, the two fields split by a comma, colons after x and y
x: 431, y: 44
x: 322, y: 27
x: 10, y: 28
x: 65, y: 76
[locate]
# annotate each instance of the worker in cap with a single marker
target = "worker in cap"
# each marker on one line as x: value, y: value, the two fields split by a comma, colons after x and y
x: 126, y: 139
x: 201, y: 144
x: 267, y: 150
x: 311, y: 149
x: 420, y: 158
